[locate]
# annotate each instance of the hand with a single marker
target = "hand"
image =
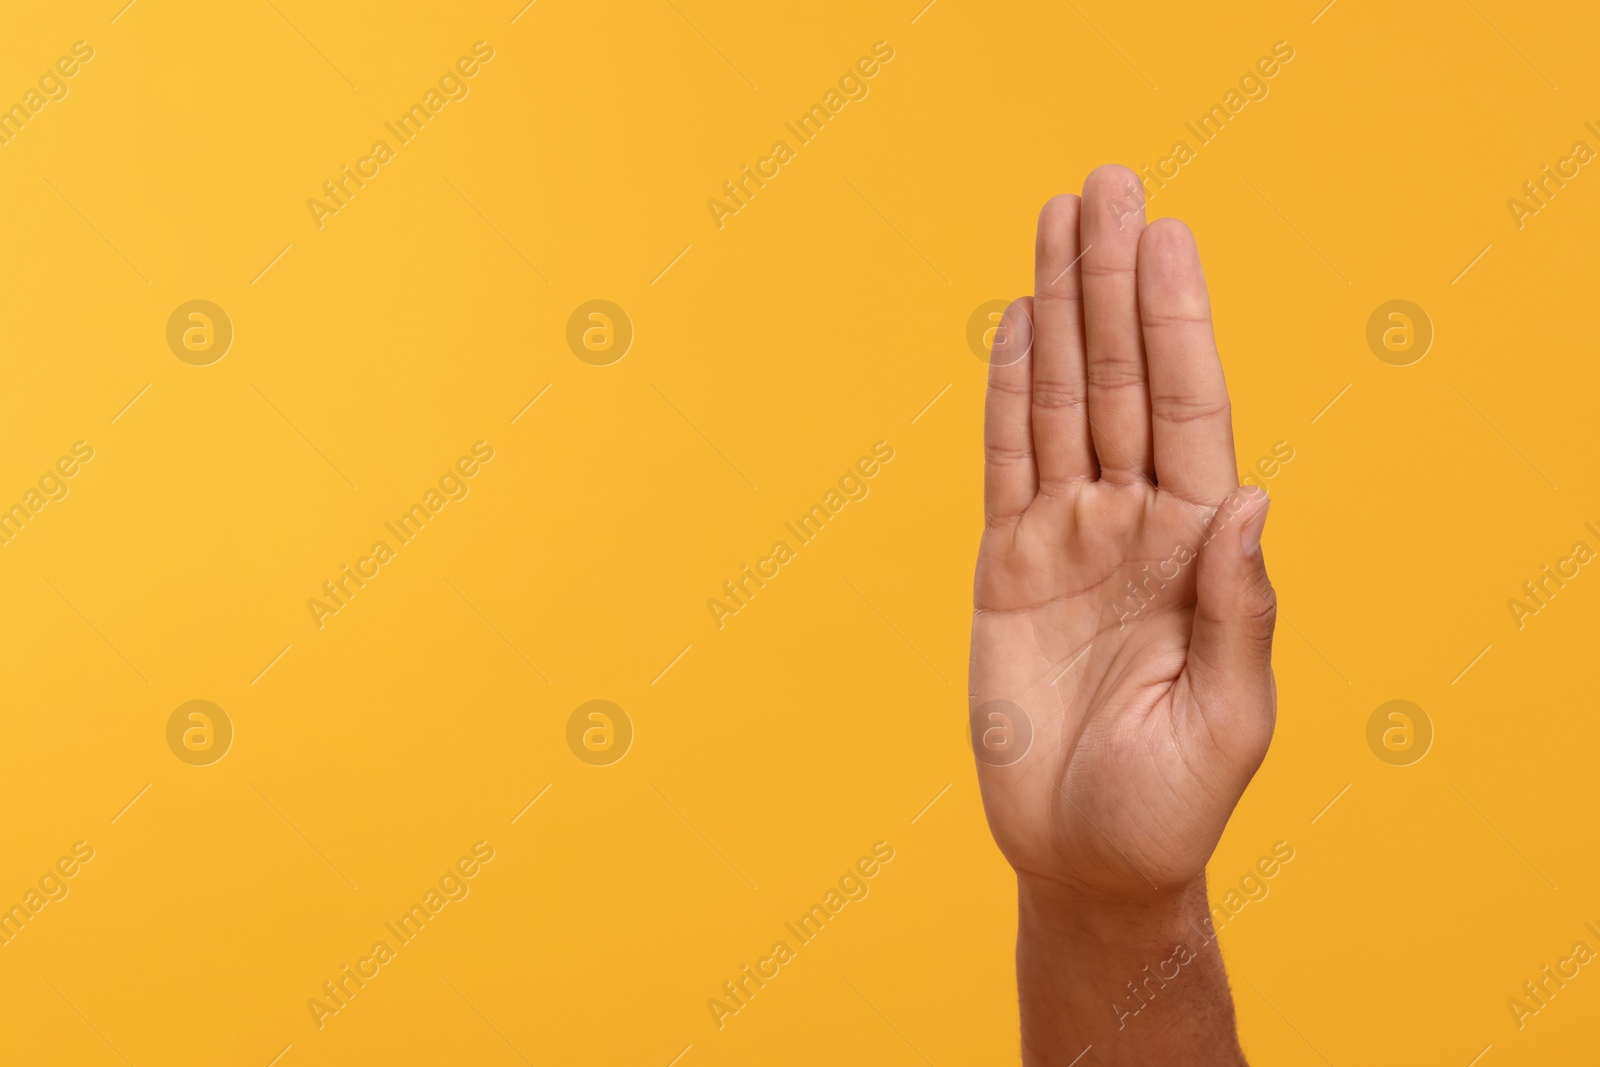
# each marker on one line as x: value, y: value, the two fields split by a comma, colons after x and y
x: 1121, y: 602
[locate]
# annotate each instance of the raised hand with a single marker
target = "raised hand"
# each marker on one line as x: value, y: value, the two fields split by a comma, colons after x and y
x: 1121, y: 688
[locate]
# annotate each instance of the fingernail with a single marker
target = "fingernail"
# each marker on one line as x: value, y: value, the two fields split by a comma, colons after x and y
x: 1250, y: 536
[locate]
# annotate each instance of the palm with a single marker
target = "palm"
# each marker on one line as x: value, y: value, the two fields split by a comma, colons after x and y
x: 1089, y: 575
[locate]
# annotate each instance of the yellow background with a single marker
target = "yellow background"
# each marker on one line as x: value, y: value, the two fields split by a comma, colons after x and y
x: 827, y: 715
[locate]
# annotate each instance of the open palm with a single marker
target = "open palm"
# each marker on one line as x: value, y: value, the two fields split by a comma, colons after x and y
x: 1121, y: 689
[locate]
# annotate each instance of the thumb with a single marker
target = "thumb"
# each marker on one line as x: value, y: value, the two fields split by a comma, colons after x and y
x: 1230, y: 651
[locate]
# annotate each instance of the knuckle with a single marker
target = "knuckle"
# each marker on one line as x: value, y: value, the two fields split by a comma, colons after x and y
x: 1185, y: 407
x: 1061, y: 293
x: 1000, y: 455
x: 1189, y: 315
x: 1260, y: 608
x: 1009, y: 385
x: 1115, y: 374
x: 1055, y: 395
x: 995, y: 518
x: 1096, y: 267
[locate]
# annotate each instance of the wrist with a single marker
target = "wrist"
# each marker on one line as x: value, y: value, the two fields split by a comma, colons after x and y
x: 1109, y: 924
x: 1134, y: 978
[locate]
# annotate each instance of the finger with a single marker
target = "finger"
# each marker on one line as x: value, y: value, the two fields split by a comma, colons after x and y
x: 1060, y: 415
x: 1009, y: 475
x: 1230, y: 651
x: 1118, y: 393
x: 1191, y: 422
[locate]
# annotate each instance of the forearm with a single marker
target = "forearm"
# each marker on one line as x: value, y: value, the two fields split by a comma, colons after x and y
x: 1143, y: 983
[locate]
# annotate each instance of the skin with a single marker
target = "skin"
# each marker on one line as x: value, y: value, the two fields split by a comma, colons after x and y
x: 1109, y: 460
